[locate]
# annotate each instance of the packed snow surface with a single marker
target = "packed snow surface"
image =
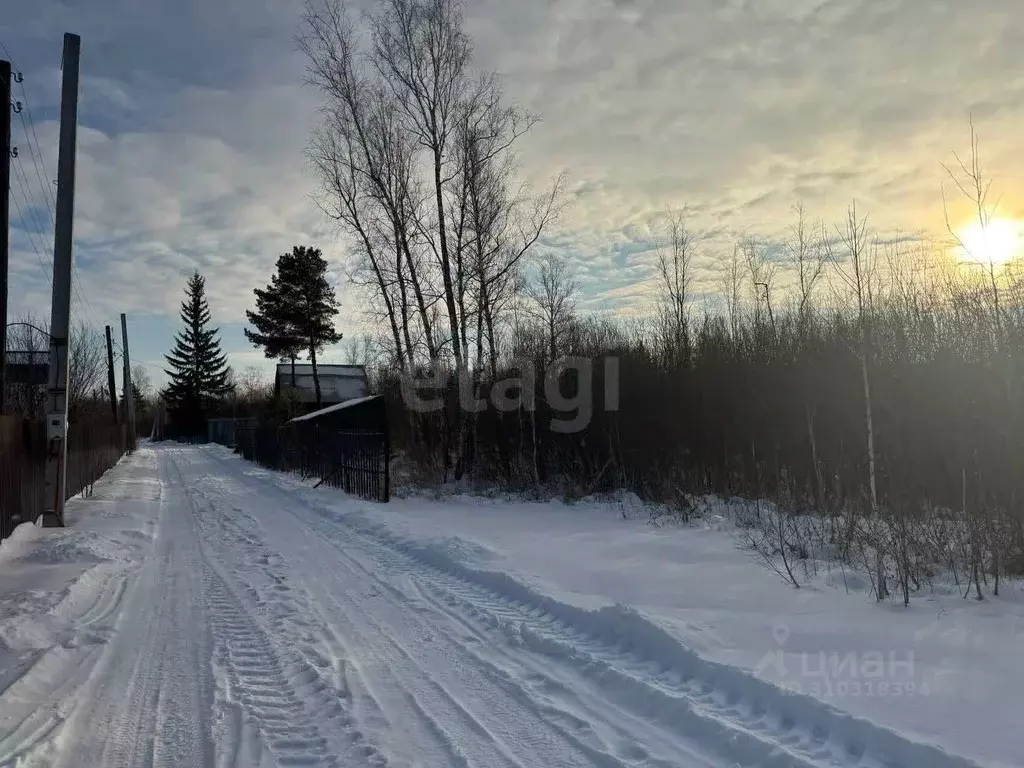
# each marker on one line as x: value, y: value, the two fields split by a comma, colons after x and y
x: 200, y: 611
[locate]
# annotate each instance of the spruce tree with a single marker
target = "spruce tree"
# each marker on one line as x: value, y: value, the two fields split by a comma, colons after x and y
x: 296, y: 311
x: 199, y: 371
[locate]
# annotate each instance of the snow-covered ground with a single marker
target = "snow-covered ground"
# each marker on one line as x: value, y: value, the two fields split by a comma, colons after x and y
x: 200, y: 611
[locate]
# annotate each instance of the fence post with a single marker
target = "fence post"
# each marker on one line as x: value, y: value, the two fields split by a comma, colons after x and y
x: 387, y: 460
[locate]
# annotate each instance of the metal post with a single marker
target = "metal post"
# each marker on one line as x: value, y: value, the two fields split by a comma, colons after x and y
x: 385, y: 428
x: 60, y: 309
x: 129, y: 392
x: 5, y: 193
x: 111, y: 384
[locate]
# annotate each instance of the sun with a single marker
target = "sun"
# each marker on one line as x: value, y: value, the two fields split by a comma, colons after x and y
x: 998, y: 242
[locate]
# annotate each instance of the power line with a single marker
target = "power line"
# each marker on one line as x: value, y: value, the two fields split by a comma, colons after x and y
x: 31, y: 239
x: 120, y: 356
x: 117, y: 347
x: 36, y: 230
x: 23, y: 183
x: 31, y: 128
x: 49, y: 197
x: 35, y: 148
x: 83, y: 301
x: 37, y: 159
x: 40, y: 230
x: 22, y: 180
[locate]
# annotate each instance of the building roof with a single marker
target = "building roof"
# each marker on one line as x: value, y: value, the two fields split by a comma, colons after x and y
x: 338, y: 383
x: 306, y: 369
x: 335, y: 408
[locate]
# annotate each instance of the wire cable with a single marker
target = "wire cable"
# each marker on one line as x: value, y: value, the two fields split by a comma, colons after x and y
x: 40, y: 226
x: 31, y: 239
x: 37, y: 160
x: 49, y: 196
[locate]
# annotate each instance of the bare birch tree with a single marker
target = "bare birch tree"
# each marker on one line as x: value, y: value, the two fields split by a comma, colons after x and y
x: 974, y: 185
x: 422, y: 53
x: 732, y: 288
x: 762, y: 271
x: 497, y: 224
x: 553, y: 298
x: 856, y: 270
x: 675, y: 260
x: 365, y: 161
x: 808, y: 257
x: 415, y: 159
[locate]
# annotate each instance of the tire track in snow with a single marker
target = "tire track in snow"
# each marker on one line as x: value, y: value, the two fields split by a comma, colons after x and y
x: 146, y: 700
x: 271, y: 696
x: 575, y: 736
x: 645, y: 670
x: 282, y: 696
x: 506, y: 748
x: 36, y: 691
x: 454, y: 701
x: 579, y: 732
x: 749, y: 721
x: 583, y: 717
x: 636, y: 662
x: 402, y: 658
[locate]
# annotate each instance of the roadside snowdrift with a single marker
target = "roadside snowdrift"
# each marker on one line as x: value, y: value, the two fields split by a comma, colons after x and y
x: 877, y: 682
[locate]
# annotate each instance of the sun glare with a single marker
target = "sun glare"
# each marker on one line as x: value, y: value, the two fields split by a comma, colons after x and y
x: 997, y: 243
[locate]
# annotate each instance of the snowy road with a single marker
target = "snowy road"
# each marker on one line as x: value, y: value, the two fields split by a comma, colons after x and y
x: 258, y: 630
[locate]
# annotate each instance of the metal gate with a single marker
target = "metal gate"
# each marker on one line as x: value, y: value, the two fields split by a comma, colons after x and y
x: 357, y: 462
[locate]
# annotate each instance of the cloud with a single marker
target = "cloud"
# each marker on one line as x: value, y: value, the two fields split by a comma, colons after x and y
x: 677, y: 102
x: 194, y: 120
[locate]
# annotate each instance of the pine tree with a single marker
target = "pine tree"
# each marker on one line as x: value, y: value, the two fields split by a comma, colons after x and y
x: 296, y: 311
x: 273, y: 331
x: 199, y: 372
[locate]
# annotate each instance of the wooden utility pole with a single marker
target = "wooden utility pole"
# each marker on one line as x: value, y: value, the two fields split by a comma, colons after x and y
x: 158, y: 425
x: 129, y: 392
x: 111, y: 385
x: 60, y: 308
x: 5, y: 194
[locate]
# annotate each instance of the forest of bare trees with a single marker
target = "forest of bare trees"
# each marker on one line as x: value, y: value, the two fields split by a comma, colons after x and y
x: 416, y: 158
x: 863, y: 388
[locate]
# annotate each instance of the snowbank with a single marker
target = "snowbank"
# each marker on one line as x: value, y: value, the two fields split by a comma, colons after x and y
x: 944, y: 672
x: 60, y: 587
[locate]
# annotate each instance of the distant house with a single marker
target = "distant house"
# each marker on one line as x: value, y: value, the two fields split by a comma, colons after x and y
x: 28, y: 374
x: 28, y: 368
x: 338, y: 383
x: 361, y: 414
